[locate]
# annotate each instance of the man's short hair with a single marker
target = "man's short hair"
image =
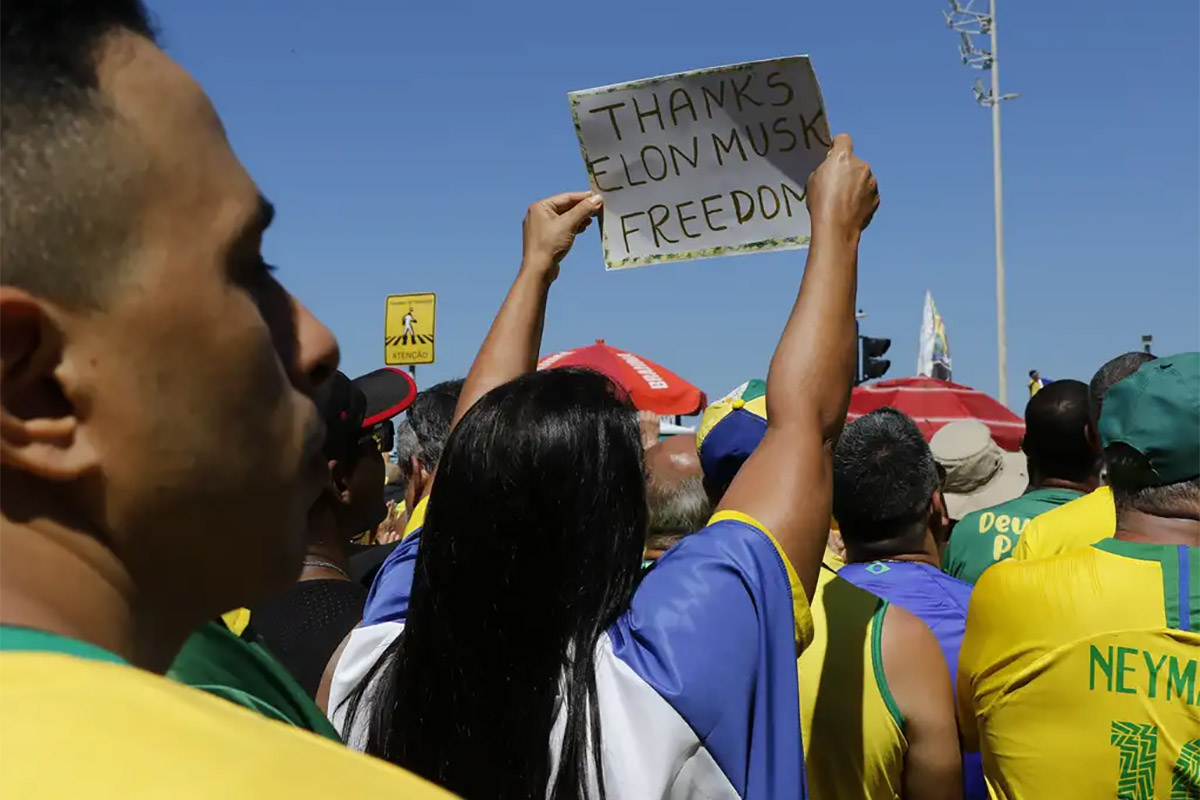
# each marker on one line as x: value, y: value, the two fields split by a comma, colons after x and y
x: 884, y: 477
x: 408, y: 447
x: 1056, y: 442
x: 70, y: 181
x: 678, y: 507
x: 1130, y: 477
x: 430, y: 416
x: 1113, y: 372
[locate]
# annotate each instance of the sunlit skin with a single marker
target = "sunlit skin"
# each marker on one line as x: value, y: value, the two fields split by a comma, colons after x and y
x: 159, y: 454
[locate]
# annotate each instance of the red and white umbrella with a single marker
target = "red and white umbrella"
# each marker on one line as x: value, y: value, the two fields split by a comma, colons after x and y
x: 650, y: 386
x: 933, y: 403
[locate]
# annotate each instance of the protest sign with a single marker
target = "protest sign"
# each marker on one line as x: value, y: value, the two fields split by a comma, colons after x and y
x: 704, y: 163
x: 408, y: 329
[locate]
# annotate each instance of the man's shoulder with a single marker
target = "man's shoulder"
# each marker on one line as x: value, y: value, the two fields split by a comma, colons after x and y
x: 1016, y: 506
x: 971, y: 521
x: 110, y: 716
x: 1071, y: 526
x: 1027, y: 581
x: 1096, y: 502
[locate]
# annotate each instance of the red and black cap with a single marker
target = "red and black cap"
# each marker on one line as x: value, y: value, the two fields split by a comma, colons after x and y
x: 353, y: 409
x: 388, y: 391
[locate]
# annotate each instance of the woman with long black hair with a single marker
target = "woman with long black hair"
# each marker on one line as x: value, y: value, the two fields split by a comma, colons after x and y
x: 532, y: 661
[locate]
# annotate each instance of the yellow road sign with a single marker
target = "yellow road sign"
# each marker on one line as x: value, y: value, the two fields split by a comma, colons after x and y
x: 408, y: 329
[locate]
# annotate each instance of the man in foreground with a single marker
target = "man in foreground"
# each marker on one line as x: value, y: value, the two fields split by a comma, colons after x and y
x: 1092, y: 517
x: 1062, y: 466
x: 876, y: 700
x: 130, y: 239
x: 1091, y: 688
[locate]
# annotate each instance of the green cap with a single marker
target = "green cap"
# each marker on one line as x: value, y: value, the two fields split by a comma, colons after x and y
x: 1156, y: 411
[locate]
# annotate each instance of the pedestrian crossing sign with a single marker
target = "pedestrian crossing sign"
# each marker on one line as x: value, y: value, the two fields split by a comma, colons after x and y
x: 408, y: 329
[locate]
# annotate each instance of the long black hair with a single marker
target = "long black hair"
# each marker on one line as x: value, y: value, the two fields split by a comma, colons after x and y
x: 531, y: 548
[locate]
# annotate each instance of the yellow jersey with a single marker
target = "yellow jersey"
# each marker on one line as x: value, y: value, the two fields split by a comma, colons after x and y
x: 1078, y: 674
x: 80, y: 722
x: 1071, y: 526
x: 416, y: 520
x: 854, y: 743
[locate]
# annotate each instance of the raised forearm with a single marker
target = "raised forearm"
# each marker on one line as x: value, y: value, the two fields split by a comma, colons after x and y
x: 813, y: 368
x: 511, y: 347
x: 515, y: 338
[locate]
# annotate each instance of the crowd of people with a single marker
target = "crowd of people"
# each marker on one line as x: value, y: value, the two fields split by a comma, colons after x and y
x: 226, y: 571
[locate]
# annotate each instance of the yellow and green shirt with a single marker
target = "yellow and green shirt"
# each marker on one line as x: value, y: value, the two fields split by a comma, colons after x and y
x: 80, y: 722
x: 1075, y: 525
x: 854, y: 744
x: 985, y: 537
x: 1078, y: 675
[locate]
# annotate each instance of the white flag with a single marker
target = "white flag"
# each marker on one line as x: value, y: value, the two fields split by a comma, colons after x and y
x: 933, y: 358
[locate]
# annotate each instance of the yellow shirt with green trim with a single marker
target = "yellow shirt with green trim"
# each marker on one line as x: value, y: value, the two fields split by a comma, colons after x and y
x: 79, y: 722
x: 1078, y: 675
x: 1069, y: 527
x: 854, y: 743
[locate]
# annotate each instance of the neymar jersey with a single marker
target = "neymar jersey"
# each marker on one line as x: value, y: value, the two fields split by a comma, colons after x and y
x: 1078, y: 674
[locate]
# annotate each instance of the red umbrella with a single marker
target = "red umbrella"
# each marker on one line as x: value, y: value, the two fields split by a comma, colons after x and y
x: 933, y: 403
x: 651, y: 387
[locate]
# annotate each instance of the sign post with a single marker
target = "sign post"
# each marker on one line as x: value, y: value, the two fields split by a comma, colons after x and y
x: 409, y: 330
x: 705, y: 163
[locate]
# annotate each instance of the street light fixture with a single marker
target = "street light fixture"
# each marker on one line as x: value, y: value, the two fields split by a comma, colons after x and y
x: 968, y: 23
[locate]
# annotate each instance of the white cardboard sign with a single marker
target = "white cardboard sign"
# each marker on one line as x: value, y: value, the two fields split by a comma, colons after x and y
x: 705, y: 163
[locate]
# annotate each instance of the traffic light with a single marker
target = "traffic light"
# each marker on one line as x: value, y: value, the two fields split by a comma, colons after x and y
x: 872, y: 365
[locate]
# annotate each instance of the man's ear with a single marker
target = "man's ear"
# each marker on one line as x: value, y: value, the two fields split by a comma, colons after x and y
x: 40, y: 430
x: 338, y: 485
x: 418, y: 481
x: 939, y: 518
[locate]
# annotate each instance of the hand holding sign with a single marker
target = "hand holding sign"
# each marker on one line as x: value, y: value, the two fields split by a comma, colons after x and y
x: 842, y: 193
x: 551, y: 226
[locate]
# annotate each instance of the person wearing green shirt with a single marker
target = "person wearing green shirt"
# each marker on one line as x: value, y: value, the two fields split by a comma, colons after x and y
x: 238, y: 667
x: 1062, y: 467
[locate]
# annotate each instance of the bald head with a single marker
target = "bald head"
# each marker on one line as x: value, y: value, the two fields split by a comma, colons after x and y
x: 675, y: 492
x: 673, y: 459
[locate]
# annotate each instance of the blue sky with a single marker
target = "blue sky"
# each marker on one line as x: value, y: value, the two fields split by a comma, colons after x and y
x: 402, y: 141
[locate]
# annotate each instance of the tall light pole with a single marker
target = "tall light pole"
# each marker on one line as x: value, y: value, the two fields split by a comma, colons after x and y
x: 968, y: 23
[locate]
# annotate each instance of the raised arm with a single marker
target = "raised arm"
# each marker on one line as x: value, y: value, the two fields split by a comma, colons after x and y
x: 515, y: 338
x: 786, y: 484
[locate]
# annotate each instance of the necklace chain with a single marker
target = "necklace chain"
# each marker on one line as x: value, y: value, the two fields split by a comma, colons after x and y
x: 320, y: 563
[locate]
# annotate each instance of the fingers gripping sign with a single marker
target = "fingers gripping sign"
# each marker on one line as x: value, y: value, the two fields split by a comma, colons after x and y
x: 551, y: 226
